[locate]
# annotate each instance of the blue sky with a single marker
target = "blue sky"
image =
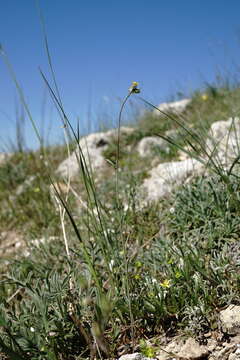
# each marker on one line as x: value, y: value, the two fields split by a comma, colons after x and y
x: 99, y: 47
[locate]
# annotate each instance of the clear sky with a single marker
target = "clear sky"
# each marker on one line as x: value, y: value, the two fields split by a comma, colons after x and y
x: 99, y: 47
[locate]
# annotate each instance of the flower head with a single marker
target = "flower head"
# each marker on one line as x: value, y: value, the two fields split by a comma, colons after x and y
x: 166, y: 283
x: 178, y: 274
x: 204, y: 97
x: 134, y: 88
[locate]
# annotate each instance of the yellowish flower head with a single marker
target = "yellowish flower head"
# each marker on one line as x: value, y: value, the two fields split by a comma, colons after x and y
x: 170, y: 261
x: 134, y: 88
x: 137, y: 277
x: 138, y: 264
x: 178, y: 274
x: 166, y: 283
x: 204, y: 97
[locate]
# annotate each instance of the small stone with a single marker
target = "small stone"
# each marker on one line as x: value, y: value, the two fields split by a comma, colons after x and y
x: 234, y: 356
x: 191, y: 350
x: 147, y: 145
x: 230, y: 320
x: 135, y: 356
x: 212, y: 344
x: 225, y: 351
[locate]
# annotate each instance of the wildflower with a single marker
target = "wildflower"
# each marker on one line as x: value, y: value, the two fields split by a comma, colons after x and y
x: 170, y: 261
x: 134, y: 88
x: 178, y: 274
x: 165, y: 283
x: 204, y: 97
x: 137, y: 277
x: 32, y: 329
x: 138, y: 264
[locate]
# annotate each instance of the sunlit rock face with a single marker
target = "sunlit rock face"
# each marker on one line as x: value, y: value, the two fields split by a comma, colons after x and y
x: 176, y: 107
x: 224, y: 141
x: 165, y: 177
x: 92, y: 147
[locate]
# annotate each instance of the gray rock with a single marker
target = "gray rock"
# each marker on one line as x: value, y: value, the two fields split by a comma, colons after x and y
x: 146, y: 145
x: 235, y: 355
x: 224, y: 141
x: 179, y: 348
x: 230, y: 320
x: 192, y: 350
x: 170, y: 351
x: 223, y: 352
x: 165, y: 177
x: 135, y: 356
x: 176, y: 107
x: 92, y: 147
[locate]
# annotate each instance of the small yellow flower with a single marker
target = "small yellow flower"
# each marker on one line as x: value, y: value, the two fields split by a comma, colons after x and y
x: 178, y: 274
x: 170, y: 261
x: 134, y: 88
x: 137, y: 277
x: 166, y: 283
x: 138, y: 264
x: 204, y: 97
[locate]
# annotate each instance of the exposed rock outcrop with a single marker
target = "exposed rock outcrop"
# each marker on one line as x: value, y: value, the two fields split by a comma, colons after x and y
x: 92, y: 147
x: 176, y: 106
x: 147, y: 145
x: 224, y: 141
x: 166, y: 176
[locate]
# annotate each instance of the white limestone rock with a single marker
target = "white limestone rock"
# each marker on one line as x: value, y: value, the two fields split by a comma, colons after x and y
x: 192, y: 350
x: 224, y: 141
x: 135, y: 356
x: 165, y: 177
x: 184, y: 349
x: 176, y: 107
x: 92, y: 147
x: 230, y: 320
x: 146, y: 145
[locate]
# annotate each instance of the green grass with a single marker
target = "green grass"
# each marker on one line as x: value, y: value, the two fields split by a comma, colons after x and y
x: 24, y: 191
x: 132, y: 273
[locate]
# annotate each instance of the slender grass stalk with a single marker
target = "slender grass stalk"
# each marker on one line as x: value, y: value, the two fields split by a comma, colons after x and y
x: 118, y: 143
x: 133, y: 89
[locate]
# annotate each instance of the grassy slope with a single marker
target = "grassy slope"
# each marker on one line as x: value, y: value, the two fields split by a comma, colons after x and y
x: 132, y: 274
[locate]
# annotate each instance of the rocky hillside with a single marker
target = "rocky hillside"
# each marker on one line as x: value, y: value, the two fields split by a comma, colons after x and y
x: 126, y: 242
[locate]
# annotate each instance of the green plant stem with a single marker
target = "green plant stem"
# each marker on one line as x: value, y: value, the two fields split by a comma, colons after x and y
x: 118, y: 143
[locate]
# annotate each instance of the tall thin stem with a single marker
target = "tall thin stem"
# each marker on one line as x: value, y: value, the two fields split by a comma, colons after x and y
x: 118, y: 143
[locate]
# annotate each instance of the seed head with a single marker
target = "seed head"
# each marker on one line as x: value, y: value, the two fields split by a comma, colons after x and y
x: 134, y: 88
